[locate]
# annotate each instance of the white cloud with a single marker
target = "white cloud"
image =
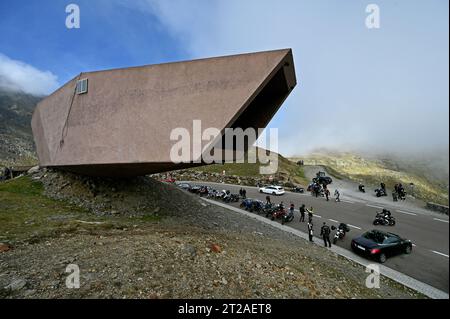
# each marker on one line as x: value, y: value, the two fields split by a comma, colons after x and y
x: 19, y: 76
x: 357, y: 89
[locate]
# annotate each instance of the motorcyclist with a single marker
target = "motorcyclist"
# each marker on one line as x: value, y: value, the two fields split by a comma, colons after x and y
x: 386, y: 214
x: 361, y: 187
x: 325, y: 232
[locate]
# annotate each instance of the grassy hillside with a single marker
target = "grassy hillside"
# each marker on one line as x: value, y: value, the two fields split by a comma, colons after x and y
x: 372, y: 171
x: 286, y: 169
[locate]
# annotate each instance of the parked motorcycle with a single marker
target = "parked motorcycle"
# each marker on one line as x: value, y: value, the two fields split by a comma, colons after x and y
x: 341, y: 230
x: 380, y: 192
x: 286, y: 218
x: 298, y: 190
x: 279, y: 212
x: 246, y: 204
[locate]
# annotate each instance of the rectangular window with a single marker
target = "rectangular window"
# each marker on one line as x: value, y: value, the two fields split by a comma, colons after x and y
x: 82, y: 86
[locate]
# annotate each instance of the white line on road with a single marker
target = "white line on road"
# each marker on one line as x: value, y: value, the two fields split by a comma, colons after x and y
x: 317, y: 216
x: 354, y: 226
x: 441, y: 220
x: 442, y: 254
x: 379, y: 207
x: 347, y: 201
x: 408, y: 213
x: 414, y: 245
x: 333, y: 220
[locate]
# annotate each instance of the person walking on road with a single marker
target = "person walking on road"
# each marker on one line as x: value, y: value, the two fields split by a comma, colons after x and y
x: 325, y: 232
x: 337, y: 195
x: 244, y: 193
x: 310, y: 214
x: 302, y: 213
x: 327, y: 193
x: 291, y: 209
x: 268, y: 200
x: 310, y: 231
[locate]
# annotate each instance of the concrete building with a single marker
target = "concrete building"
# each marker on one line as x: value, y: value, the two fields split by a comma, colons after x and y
x: 118, y: 122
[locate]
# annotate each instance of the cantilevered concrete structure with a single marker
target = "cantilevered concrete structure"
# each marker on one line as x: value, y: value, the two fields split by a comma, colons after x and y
x: 118, y: 122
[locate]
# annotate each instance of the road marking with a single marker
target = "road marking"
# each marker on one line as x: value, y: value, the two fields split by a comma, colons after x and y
x: 441, y: 220
x: 354, y: 226
x: 414, y: 245
x: 379, y: 207
x: 442, y: 254
x: 317, y: 216
x: 333, y: 220
x: 347, y: 201
x: 403, y: 212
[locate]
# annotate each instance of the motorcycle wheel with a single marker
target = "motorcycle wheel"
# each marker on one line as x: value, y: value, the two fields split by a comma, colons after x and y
x: 334, y: 241
x: 392, y: 223
x: 375, y: 222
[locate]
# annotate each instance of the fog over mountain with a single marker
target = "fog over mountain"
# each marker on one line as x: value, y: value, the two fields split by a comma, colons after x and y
x: 371, y: 90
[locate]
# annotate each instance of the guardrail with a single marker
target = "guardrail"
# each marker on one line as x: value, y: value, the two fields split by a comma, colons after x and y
x: 438, y: 208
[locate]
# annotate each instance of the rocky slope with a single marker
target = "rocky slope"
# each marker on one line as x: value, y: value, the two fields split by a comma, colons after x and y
x: 16, y: 140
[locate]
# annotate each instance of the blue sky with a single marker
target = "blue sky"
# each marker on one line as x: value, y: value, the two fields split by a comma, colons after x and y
x: 375, y: 89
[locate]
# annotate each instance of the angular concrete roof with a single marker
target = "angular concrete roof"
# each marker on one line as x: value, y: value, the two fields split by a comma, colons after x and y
x: 122, y: 125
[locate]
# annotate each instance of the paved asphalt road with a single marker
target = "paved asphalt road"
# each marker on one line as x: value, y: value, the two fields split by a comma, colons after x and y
x: 429, y: 232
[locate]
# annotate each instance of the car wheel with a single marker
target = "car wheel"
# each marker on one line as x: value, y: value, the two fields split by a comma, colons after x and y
x: 408, y: 250
x: 382, y: 258
x: 273, y: 193
x: 261, y: 191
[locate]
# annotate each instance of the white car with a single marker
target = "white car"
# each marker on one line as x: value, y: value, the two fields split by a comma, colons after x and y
x: 272, y: 190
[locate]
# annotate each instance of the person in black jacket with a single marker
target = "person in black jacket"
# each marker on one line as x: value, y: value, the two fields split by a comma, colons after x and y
x: 302, y: 213
x: 325, y: 232
x: 310, y: 231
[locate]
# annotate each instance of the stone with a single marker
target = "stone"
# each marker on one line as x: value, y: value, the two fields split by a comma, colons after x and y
x: 216, y: 248
x: 33, y: 170
x: 4, y: 247
x: 16, y: 284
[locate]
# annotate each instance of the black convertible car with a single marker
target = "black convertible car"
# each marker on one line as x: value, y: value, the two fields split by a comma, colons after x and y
x: 379, y: 245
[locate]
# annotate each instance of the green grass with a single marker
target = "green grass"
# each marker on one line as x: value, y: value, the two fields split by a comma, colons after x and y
x: 27, y: 215
x: 285, y: 167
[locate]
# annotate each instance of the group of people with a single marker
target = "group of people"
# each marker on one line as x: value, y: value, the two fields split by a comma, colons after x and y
x: 317, y: 189
x: 399, y: 192
x: 325, y: 230
x: 243, y: 193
